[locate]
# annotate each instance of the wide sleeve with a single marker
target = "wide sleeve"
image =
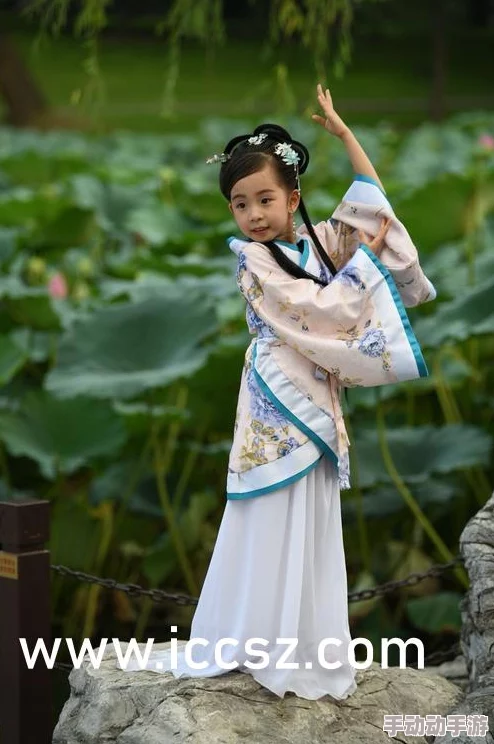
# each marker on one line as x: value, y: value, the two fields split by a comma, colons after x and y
x: 356, y: 327
x: 364, y: 206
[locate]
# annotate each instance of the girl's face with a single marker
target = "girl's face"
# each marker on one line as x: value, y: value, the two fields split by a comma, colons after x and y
x: 261, y: 207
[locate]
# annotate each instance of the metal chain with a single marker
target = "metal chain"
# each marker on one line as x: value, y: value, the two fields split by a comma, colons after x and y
x: 159, y: 595
x: 410, y: 580
x: 440, y: 656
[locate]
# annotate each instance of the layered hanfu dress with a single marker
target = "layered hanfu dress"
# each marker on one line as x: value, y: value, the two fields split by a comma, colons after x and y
x: 278, y: 567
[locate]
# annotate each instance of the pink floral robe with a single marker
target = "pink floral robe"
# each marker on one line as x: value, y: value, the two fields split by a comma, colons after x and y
x: 310, y: 341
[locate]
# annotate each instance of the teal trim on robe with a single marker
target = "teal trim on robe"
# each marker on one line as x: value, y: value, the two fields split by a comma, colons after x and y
x: 415, y: 346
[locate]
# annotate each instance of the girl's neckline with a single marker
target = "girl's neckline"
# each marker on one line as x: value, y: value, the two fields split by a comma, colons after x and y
x: 299, y: 245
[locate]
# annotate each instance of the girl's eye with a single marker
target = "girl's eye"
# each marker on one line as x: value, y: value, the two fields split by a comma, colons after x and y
x: 241, y: 205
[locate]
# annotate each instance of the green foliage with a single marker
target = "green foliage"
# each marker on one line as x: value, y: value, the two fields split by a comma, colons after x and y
x: 123, y: 350
x: 122, y: 339
x: 12, y: 359
x: 469, y: 314
x: 437, y: 614
x: 314, y: 22
x: 61, y: 436
x: 420, y: 452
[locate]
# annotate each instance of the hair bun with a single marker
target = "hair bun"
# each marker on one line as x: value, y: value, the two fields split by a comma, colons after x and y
x: 281, y: 135
x: 274, y: 131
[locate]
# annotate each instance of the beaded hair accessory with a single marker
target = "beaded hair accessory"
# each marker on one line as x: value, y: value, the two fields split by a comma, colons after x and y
x: 221, y: 158
x: 289, y: 156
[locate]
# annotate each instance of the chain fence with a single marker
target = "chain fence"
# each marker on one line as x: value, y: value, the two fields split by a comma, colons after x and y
x: 160, y: 595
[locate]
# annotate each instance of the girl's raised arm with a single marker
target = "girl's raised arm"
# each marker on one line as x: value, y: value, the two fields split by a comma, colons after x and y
x: 335, y: 125
x: 366, y: 214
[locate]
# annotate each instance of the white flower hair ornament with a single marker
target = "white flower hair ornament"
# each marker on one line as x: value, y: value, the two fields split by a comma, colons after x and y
x: 221, y: 158
x: 289, y: 156
x: 287, y: 153
x: 257, y: 139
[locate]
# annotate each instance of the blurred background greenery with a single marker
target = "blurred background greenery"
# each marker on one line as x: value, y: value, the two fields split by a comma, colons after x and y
x: 122, y: 332
x: 382, y: 58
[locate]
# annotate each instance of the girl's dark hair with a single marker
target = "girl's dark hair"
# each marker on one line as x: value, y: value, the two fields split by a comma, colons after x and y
x: 247, y: 159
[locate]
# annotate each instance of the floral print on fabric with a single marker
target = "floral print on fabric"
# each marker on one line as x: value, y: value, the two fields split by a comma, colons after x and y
x: 373, y: 342
x: 266, y: 433
x: 258, y: 438
x: 254, y: 292
x: 260, y: 405
x: 256, y: 325
x: 241, y: 266
x: 346, y: 381
x: 347, y: 242
x: 350, y: 276
x: 287, y: 445
x: 254, y: 451
x: 300, y: 317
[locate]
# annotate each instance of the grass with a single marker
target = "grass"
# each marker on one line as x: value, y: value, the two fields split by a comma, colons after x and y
x: 386, y: 80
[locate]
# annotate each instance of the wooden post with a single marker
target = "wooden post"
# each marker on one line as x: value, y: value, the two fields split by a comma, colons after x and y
x: 26, y: 715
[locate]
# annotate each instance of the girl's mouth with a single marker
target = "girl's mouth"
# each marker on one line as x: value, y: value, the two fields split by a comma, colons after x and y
x: 259, y: 229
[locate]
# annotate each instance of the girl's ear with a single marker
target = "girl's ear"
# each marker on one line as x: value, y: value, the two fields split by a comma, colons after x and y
x: 294, y: 200
x: 230, y: 207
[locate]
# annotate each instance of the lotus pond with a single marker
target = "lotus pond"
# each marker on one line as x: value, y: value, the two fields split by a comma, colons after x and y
x: 121, y: 346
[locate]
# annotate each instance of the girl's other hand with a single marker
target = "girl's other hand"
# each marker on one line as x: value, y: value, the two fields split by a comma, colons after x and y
x: 332, y: 122
x: 375, y: 244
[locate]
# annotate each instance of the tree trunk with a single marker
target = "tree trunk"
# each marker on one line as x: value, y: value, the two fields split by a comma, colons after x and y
x: 25, y: 102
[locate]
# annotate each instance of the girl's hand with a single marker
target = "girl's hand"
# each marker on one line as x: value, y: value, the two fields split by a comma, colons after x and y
x: 332, y: 123
x: 375, y: 244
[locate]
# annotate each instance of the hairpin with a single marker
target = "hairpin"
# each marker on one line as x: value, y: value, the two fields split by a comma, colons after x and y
x: 257, y: 139
x: 221, y: 158
x: 287, y: 153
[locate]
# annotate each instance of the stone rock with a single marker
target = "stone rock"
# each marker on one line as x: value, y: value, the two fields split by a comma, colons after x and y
x: 110, y: 706
x: 455, y: 670
x: 477, y: 630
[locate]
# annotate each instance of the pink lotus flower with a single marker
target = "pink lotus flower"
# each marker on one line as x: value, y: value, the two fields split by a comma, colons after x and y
x: 486, y: 141
x: 57, y: 286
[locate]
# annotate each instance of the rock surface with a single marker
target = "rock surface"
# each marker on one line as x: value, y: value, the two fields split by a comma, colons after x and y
x: 477, y: 631
x: 455, y: 671
x: 109, y: 706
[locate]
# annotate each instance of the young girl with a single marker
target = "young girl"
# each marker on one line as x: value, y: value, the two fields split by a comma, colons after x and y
x: 326, y: 306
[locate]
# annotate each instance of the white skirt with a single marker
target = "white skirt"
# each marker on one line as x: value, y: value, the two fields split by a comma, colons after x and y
x: 277, y: 572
